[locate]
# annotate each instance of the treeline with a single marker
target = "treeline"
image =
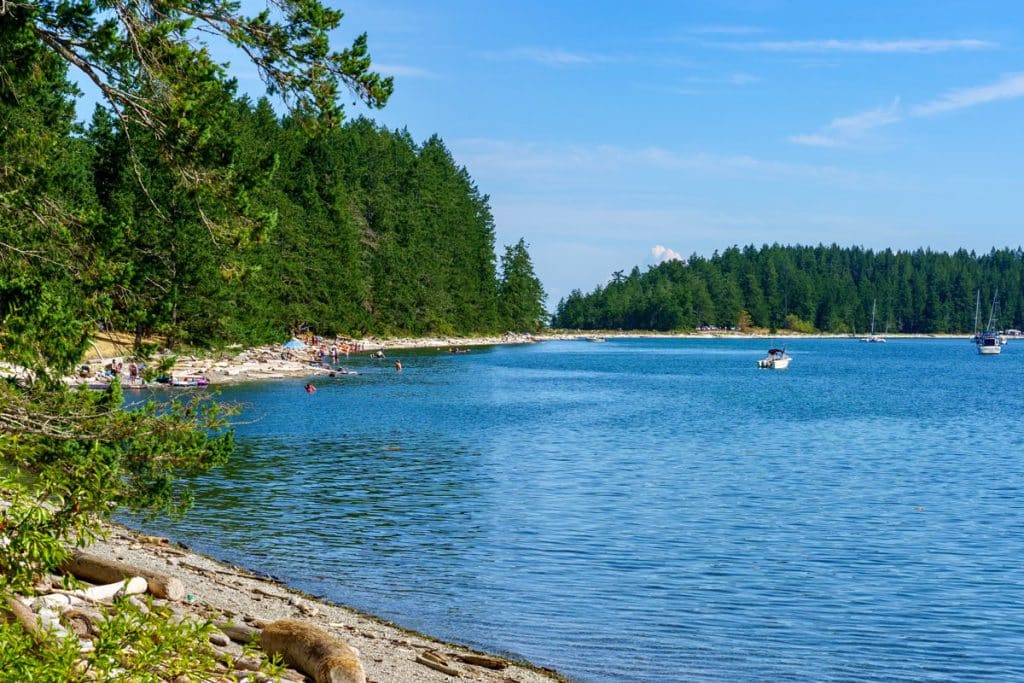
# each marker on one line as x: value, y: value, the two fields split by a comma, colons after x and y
x: 808, y: 288
x: 353, y: 230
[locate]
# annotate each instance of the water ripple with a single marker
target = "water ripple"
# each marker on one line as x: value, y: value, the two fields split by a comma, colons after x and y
x: 653, y: 510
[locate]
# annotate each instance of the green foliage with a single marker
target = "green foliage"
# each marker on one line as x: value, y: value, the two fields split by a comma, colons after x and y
x: 77, y: 456
x: 133, y: 645
x: 793, y: 322
x: 520, y: 294
x: 828, y: 288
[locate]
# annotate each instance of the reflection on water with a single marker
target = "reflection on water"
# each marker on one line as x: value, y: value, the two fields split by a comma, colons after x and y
x: 648, y: 510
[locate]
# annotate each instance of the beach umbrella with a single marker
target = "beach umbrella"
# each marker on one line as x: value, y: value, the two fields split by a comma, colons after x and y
x: 294, y: 344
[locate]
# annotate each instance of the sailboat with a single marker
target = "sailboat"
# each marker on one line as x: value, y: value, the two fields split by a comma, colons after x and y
x: 873, y: 337
x: 987, y: 340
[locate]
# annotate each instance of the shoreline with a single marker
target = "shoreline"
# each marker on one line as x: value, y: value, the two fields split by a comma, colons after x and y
x: 269, y: 362
x: 388, y: 651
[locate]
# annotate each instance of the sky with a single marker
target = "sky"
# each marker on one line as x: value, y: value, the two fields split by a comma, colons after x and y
x: 610, y: 135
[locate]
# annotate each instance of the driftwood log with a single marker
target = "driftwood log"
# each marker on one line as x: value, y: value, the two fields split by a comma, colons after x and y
x: 131, y: 586
x: 240, y: 633
x: 316, y: 653
x: 100, y: 569
x: 482, y: 660
x: 18, y: 612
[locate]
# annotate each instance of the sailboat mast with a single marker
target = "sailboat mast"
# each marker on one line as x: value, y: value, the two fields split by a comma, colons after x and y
x: 977, y: 311
x: 992, y: 310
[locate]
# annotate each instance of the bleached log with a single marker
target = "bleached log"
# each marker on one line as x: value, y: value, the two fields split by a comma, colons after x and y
x: 133, y: 586
x: 315, y: 652
x: 95, y: 568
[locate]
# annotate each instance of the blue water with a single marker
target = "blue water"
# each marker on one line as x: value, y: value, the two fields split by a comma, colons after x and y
x: 653, y: 510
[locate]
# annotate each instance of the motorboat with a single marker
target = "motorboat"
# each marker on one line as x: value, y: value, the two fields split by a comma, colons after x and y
x: 777, y: 359
x: 189, y: 381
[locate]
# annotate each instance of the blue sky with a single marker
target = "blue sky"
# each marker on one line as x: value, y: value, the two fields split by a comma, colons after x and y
x: 605, y: 130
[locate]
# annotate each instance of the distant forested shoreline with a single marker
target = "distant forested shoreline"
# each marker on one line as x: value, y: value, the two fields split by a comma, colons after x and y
x: 808, y: 289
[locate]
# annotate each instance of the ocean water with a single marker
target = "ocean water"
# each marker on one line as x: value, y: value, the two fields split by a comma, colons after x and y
x: 652, y: 510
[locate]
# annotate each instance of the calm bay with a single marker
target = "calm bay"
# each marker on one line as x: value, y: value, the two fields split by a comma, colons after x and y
x: 651, y: 509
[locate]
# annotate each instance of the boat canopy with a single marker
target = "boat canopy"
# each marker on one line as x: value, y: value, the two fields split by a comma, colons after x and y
x: 776, y: 351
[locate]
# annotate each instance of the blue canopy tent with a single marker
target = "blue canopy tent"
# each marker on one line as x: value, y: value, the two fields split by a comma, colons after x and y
x: 294, y: 344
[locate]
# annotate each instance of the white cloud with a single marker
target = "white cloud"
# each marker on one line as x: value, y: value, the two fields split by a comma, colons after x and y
x: 546, y: 56
x: 529, y: 159
x: 660, y: 254
x: 845, y: 130
x: 731, y: 79
x: 724, y: 30
x: 403, y: 71
x: 1010, y: 86
x: 864, y: 46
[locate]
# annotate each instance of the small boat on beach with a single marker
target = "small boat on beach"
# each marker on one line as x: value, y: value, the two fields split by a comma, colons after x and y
x: 189, y: 381
x: 777, y: 359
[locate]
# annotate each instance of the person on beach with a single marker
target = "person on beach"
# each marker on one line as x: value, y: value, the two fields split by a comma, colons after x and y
x: 398, y: 366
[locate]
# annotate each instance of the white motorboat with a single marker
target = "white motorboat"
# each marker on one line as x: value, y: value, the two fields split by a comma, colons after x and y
x: 777, y: 359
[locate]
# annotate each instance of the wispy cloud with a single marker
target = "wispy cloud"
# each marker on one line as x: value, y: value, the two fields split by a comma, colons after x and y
x: 660, y: 254
x: 730, y: 79
x: 864, y: 46
x: 403, y: 71
x: 724, y: 30
x: 535, y: 160
x: 547, y: 56
x: 1008, y: 87
x: 848, y: 130
x: 700, y: 85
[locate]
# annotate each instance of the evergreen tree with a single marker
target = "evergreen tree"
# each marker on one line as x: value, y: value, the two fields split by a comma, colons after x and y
x: 520, y: 293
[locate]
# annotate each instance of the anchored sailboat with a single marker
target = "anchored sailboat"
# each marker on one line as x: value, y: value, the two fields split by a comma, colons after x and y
x: 987, y: 340
x: 873, y: 337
